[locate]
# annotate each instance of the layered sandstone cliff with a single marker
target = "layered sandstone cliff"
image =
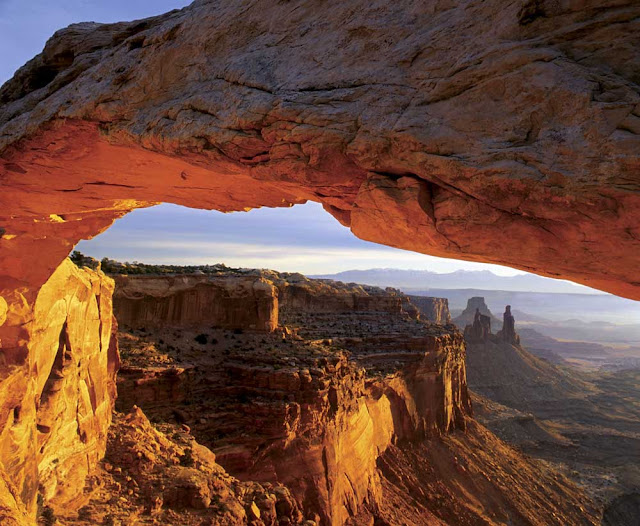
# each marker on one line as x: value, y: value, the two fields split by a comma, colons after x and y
x: 362, y: 415
x: 298, y: 293
x: 519, y: 122
x: 433, y: 309
x: 353, y: 371
x: 229, y: 302
x: 59, y: 394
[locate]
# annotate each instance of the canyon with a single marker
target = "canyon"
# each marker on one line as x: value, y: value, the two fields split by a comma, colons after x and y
x: 475, y: 130
x: 345, y: 407
x: 584, y: 423
x: 368, y: 398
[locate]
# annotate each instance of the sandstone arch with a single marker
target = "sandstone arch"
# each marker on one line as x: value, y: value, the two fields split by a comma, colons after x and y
x: 468, y: 130
x: 477, y: 130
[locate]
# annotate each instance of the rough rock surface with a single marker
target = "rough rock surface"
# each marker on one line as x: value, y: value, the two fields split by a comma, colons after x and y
x: 472, y: 478
x: 479, y: 330
x: 478, y: 130
x: 58, y: 396
x: 297, y: 293
x: 230, y: 302
x: 168, y: 478
x: 352, y: 373
x: 457, y: 129
x: 434, y: 309
x: 362, y: 415
x: 623, y: 510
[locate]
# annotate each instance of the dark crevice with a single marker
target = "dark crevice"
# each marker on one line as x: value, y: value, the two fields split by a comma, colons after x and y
x: 43, y: 429
x: 355, y: 85
x: 531, y: 11
x: 103, y: 183
x: 255, y: 159
x: 63, y: 356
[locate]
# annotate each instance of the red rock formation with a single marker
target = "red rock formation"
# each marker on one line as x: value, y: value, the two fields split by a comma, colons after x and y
x: 474, y: 478
x: 524, y: 126
x: 59, y: 395
x: 434, y: 309
x: 229, y: 302
x: 335, y: 413
x: 466, y: 146
x: 302, y: 294
x: 172, y: 479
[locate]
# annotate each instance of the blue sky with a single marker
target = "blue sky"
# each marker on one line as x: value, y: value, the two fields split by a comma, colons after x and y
x: 303, y: 238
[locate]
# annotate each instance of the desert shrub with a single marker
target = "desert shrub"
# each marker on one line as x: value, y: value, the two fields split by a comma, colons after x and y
x: 214, y: 341
x: 48, y: 516
x: 238, y: 331
x: 202, y: 339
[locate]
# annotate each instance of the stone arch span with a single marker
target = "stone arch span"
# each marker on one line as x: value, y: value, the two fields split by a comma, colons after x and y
x: 470, y: 130
x: 475, y: 130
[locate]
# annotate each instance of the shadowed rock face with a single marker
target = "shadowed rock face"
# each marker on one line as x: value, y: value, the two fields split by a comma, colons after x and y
x: 307, y: 415
x: 434, y: 309
x: 474, y: 130
x: 480, y: 329
x: 508, y: 332
x: 475, y: 306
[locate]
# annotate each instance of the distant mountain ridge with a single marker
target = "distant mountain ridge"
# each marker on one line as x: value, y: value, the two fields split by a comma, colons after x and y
x: 460, y: 279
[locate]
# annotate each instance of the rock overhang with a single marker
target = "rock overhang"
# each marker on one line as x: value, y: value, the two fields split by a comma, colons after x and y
x: 515, y: 145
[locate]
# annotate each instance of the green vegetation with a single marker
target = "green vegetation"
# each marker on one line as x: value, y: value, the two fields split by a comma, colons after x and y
x: 111, y: 266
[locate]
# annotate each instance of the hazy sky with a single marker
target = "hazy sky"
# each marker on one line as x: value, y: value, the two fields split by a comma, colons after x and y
x: 303, y: 238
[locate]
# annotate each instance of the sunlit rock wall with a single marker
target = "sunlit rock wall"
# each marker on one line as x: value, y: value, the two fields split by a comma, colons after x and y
x: 58, y: 389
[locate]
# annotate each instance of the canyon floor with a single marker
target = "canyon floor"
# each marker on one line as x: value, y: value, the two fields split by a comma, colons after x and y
x: 586, y: 424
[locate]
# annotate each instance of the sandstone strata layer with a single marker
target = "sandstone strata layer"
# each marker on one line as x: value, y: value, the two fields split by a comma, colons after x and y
x: 434, y: 309
x: 362, y: 415
x: 315, y: 390
x: 230, y: 302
